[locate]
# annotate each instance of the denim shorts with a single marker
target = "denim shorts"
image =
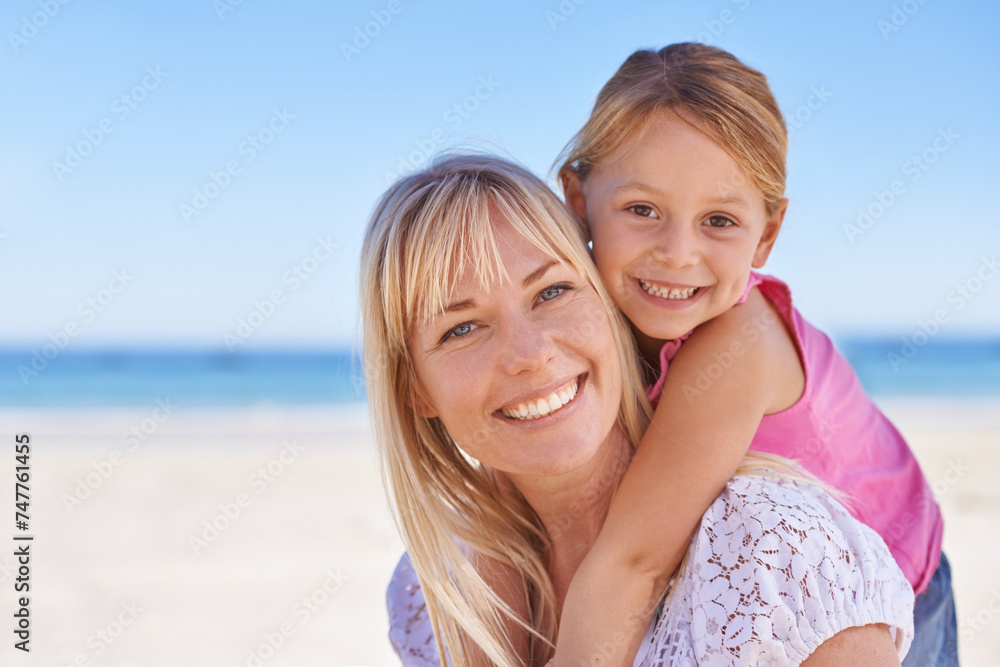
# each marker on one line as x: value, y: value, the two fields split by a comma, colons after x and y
x: 935, y: 629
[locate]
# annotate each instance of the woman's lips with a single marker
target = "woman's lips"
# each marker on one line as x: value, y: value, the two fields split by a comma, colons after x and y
x: 543, y: 406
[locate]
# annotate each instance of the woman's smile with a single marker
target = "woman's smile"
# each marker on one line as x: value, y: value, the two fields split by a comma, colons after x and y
x: 546, y: 403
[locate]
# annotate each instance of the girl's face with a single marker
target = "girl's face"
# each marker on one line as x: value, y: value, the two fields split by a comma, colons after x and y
x: 676, y: 227
x: 526, y: 376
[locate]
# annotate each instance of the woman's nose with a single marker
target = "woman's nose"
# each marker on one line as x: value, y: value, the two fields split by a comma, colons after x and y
x: 676, y: 247
x: 527, y: 346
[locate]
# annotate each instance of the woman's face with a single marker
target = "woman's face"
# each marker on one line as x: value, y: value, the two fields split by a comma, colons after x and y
x: 526, y: 376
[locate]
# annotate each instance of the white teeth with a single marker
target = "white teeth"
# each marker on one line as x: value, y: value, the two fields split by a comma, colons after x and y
x: 543, y: 406
x: 665, y: 293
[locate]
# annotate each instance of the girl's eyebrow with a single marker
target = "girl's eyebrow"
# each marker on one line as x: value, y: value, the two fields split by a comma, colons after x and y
x: 636, y: 185
x: 729, y: 199
x: 721, y: 199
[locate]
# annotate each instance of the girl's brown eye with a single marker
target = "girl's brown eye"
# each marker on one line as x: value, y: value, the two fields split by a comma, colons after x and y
x: 720, y: 221
x: 641, y: 210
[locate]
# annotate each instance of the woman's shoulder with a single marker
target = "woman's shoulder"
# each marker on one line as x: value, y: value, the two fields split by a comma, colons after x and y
x: 776, y: 568
x: 410, y: 630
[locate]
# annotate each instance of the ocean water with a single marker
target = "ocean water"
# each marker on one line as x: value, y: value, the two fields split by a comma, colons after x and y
x: 213, y: 378
x: 203, y: 378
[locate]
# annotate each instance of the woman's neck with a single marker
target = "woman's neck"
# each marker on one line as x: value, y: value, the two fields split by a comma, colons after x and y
x: 573, y: 506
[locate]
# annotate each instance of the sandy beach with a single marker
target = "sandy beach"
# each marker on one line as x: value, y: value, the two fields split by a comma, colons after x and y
x: 262, y: 537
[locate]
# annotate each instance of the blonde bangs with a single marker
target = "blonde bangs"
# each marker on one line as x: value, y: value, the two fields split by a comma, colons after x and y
x: 454, y: 234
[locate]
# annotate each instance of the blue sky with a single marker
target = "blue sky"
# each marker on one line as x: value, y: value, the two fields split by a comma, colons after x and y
x: 223, y: 158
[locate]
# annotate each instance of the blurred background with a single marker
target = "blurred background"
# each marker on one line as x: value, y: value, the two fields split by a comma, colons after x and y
x: 184, y: 188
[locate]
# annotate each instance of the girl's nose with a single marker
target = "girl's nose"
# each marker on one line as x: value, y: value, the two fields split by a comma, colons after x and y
x: 677, y: 247
x: 527, y: 346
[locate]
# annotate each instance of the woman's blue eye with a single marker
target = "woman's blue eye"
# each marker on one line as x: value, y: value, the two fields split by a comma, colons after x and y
x: 550, y: 293
x: 720, y: 222
x: 456, y: 332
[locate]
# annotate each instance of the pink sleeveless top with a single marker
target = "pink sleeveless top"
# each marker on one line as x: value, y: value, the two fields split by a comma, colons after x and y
x: 837, y: 434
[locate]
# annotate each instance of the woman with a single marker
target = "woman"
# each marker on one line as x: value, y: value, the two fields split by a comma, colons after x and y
x: 506, y: 401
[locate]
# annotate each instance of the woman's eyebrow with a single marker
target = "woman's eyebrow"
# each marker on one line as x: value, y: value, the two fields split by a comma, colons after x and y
x: 532, y: 277
x: 537, y: 273
x: 458, y: 305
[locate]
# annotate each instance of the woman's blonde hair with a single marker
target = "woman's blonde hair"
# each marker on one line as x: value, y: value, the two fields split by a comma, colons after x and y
x: 724, y: 98
x: 427, y: 230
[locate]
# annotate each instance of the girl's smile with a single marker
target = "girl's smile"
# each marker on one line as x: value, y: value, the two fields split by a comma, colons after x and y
x: 676, y: 226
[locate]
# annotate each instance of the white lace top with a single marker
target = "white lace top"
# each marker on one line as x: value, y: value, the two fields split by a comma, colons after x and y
x: 776, y: 568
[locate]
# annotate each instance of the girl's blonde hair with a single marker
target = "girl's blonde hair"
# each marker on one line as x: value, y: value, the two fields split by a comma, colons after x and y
x: 427, y: 230
x: 724, y: 98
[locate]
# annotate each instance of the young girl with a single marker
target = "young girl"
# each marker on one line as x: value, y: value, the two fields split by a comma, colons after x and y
x: 678, y: 177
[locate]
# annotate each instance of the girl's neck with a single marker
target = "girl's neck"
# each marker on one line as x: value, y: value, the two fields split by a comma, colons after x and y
x: 649, y: 350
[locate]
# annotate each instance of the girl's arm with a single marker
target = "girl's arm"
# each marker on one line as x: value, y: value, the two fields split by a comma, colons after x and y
x: 728, y: 374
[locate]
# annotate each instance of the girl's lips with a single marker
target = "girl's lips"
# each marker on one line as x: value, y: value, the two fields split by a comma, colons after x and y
x: 674, y: 293
x: 668, y: 297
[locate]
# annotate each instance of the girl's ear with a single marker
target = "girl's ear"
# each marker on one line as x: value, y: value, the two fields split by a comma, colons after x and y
x: 573, y: 191
x: 770, y: 235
